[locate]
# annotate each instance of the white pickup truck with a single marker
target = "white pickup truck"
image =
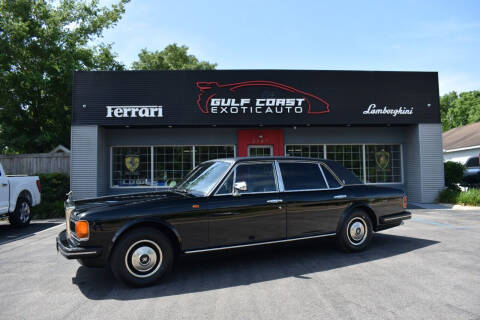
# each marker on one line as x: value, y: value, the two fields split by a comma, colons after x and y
x: 18, y: 194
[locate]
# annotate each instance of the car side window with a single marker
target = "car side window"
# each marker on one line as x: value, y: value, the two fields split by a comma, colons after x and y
x: 302, y: 176
x: 332, y: 181
x: 227, y: 185
x: 259, y: 177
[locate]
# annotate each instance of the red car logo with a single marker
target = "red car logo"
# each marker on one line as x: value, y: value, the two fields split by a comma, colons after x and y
x: 209, y: 90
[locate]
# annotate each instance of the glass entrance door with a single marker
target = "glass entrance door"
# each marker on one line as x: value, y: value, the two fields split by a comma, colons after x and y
x: 260, y: 151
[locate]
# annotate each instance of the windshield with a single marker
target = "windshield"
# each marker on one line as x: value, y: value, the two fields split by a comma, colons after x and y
x: 204, y: 178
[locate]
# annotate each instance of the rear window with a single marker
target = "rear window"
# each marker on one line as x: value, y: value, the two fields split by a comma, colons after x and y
x: 301, y: 176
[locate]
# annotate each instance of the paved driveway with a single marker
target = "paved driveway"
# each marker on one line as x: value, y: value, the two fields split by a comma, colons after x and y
x: 428, y: 268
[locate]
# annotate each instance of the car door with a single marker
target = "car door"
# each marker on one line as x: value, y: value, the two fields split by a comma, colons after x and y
x: 252, y: 215
x: 4, y: 192
x: 312, y: 207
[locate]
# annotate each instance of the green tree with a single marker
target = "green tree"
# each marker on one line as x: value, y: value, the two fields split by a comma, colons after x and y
x: 459, y: 109
x: 173, y: 57
x: 41, y: 43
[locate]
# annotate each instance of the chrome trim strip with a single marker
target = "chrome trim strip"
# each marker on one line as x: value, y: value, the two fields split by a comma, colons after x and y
x: 323, y: 164
x: 259, y: 243
x: 406, y: 216
x: 281, y: 187
x: 232, y: 163
x: 69, y: 254
x: 323, y: 174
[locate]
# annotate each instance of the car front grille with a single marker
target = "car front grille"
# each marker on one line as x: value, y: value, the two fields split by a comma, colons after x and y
x: 68, y: 214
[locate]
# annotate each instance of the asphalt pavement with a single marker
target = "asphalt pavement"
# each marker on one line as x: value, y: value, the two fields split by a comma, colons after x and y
x: 428, y: 268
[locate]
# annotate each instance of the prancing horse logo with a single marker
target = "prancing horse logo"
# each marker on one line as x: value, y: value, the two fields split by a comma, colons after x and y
x: 132, y: 162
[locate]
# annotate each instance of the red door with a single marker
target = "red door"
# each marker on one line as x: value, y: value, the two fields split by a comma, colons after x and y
x: 260, y: 137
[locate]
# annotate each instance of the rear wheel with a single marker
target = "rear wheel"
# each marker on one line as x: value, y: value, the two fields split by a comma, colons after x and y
x: 356, y: 232
x: 142, y: 257
x: 22, y: 214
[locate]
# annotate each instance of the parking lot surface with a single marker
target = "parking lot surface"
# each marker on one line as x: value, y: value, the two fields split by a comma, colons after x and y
x: 427, y: 269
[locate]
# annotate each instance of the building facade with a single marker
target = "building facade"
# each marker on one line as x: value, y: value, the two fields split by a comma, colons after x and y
x: 139, y: 131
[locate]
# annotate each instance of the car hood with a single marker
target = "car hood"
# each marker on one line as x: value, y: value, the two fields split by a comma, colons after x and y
x: 94, y: 204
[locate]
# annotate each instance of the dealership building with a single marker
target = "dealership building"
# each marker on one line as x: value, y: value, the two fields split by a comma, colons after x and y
x: 138, y: 131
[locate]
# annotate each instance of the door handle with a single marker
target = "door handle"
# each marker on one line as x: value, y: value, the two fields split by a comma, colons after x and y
x: 4, y: 184
x: 340, y: 196
x: 275, y: 201
x: 222, y: 214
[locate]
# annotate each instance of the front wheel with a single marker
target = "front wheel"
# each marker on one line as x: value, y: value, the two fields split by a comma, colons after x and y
x: 142, y: 257
x: 22, y: 214
x: 356, y: 232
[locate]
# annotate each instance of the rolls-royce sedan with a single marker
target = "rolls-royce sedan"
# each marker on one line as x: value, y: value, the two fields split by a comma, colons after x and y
x: 225, y: 204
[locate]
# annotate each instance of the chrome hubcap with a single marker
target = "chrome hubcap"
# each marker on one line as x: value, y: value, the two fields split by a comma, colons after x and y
x: 24, y: 212
x: 143, y: 258
x: 357, y: 231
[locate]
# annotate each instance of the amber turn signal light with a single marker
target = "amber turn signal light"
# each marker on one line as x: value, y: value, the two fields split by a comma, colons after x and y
x: 82, y: 230
x: 404, y: 202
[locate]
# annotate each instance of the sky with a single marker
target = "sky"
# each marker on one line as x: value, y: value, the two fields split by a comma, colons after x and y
x: 442, y: 36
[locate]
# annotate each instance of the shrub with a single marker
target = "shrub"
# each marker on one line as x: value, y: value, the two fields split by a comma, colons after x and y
x: 448, y: 195
x: 453, y: 174
x: 54, y: 187
x: 470, y: 197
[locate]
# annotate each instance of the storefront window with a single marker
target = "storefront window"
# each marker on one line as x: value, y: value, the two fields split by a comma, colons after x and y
x: 131, y: 166
x: 383, y: 163
x: 171, y: 165
x: 350, y: 156
x: 308, y: 151
x: 205, y: 153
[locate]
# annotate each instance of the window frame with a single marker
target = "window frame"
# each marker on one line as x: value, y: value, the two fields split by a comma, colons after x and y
x: 364, y: 162
x: 402, y: 180
x: 151, y: 171
x: 234, y: 172
x: 306, y: 190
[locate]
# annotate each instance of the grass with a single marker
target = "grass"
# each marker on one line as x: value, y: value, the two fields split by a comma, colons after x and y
x: 467, y: 198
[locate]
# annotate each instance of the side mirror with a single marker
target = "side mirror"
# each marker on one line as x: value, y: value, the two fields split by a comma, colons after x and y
x: 239, y: 186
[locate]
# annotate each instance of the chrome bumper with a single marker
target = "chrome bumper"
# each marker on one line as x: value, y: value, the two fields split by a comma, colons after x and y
x: 397, y: 217
x: 74, y: 252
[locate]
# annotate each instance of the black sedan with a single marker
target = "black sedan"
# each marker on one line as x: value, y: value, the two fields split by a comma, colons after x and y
x: 224, y: 204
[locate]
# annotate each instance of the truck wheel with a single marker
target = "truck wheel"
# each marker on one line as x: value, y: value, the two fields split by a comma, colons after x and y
x: 142, y: 257
x: 356, y: 232
x: 22, y: 214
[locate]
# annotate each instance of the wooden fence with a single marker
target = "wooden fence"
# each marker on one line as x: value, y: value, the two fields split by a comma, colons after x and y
x: 35, y: 163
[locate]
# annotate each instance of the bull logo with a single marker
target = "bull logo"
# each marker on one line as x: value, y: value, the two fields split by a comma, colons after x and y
x: 382, y: 158
x: 132, y: 162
